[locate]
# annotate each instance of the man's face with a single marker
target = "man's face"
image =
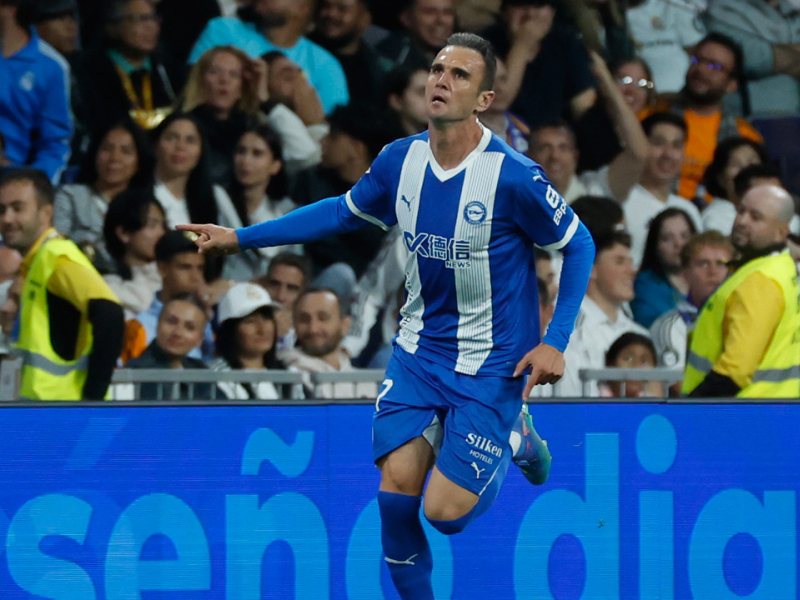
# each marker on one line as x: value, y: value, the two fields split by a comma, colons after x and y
x: 182, y: 274
x: 706, y: 271
x: 613, y: 274
x: 431, y: 22
x: 343, y: 20
x: 60, y: 32
x: 282, y: 79
x: 319, y: 324
x: 284, y: 284
x: 666, y: 154
x: 181, y: 327
x: 709, y: 76
x: 413, y: 105
x: 22, y: 220
x: 756, y: 226
x: 554, y: 148
x: 452, y: 92
x: 138, y: 27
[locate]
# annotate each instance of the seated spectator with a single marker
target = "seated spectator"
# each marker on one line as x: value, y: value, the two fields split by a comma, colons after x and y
x: 287, y: 277
x: 597, y: 131
x: 258, y: 194
x: 553, y: 145
x: 179, y: 332
x: 536, y: 50
x: 321, y: 324
x: 705, y: 259
x: 117, y: 160
x: 426, y: 26
x: 665, y: 32
x: 631, y: 351
x: 667, y: 136
x: 181, y: 268
x: 768, y: 32
x: 265, y: 26
x: 34, y: 97
x: 339, y: 28
x: 405, y: 97
x: 731, y: 156
x: 715, y: 69
x: 603, y: 316
x: 247, y: 339
x: 600, y: 214
x: 660, y: 285
x: 134, y: 223
x: 508, y: 126
x: 357, y: 135
x: 126, y: 74
x: 182, y: 182
x: 754, y: 175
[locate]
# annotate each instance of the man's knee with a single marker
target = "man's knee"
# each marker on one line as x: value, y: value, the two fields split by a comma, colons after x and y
x: 448, y: 506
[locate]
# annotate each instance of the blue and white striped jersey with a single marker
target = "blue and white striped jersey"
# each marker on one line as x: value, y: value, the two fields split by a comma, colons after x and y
x: 469, y: 232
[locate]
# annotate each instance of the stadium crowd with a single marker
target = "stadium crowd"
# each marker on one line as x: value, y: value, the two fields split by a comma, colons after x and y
x: 146, y: 114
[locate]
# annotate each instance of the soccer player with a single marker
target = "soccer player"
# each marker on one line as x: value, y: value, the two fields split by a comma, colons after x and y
x: 470, y: 209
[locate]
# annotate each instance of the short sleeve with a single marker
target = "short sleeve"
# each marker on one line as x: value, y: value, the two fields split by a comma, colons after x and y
x: 371, y: 198
x: 541, y: 212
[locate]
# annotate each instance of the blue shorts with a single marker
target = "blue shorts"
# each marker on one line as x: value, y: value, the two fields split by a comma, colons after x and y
x: 466, y: 419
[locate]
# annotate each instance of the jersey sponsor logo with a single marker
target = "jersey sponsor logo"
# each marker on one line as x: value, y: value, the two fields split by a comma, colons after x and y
x: 484, y: 444
x: 455, y: 253
x: 538, y: 177
x: 555, y: 200
x: 475, y: 213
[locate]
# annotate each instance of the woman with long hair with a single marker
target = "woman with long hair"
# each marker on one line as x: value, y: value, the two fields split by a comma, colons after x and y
x: 660, y: 283
x: 247, y: 339
x: 258, y: 193
x: 228, y: 92
x: 731, y: 156
x: 118, y: 159
x: 134, y: 223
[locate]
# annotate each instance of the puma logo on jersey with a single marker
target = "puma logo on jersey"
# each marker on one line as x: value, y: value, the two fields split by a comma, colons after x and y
x: 477, y: 470
x: 406, y: 201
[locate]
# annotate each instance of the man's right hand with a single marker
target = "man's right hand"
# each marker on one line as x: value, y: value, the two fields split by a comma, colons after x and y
x: 213, y: 239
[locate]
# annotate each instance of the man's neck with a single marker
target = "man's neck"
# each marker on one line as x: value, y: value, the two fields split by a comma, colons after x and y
x: 13, y: 38
x: 495, y: 120
x: 705, y: 109
x: 333, y: 359
x: 452, y: 142
x: 660, y: 189
x: 283, y: 36
x: 135, y: 58
x: 609, y: 308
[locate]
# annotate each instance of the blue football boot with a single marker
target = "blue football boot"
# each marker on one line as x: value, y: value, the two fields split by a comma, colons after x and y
x: 531, y: 453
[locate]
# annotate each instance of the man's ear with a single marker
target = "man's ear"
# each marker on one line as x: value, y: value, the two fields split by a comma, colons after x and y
x: 485, y: 100
x: 733, y: 85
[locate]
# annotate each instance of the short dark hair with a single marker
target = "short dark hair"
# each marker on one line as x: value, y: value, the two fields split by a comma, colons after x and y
x: 629, y: 339
x: 744, y: 180
x: 482, y: 47
x: 600, y: 214
x: 730, y: 44
x: 42, y: 186
x: 608, y: 239
x: 722, y: 155
x: 554, y: 123
x: 290, y: 259
x: 397, y: 80
x: 363, y: 123
x: 343, y: 310
x: 660, y: 118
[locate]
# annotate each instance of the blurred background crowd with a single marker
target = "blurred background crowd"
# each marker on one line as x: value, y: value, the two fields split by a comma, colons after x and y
x: 653, y: 118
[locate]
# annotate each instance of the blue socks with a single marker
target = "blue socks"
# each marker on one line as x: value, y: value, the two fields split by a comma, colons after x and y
x: 405, y: 546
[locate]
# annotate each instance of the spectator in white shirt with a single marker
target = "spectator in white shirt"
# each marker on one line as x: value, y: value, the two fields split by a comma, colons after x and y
x: 604, y: 315
x: 321, y: 324
x: 666, y: 133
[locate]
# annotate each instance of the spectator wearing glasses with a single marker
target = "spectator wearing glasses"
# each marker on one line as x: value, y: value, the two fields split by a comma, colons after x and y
x: 126, y: 74
x: 715, y: 69
x: 34, y: 97
x: 769, y: 34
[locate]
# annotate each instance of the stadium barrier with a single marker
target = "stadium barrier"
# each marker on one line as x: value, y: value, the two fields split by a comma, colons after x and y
x: 646, y: 500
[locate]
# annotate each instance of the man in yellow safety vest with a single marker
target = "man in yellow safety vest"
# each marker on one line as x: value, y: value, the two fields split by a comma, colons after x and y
x: 746, y: 342
x: 64, y: 304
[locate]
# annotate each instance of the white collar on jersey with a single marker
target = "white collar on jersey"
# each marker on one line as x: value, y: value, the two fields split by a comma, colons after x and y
x: 443, y: 175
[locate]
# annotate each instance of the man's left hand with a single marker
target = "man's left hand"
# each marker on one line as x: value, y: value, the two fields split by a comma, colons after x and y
x: 546, y: 364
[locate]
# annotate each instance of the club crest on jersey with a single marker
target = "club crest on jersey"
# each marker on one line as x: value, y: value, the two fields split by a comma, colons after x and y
x: 455, y: 253
x: 475, y: 213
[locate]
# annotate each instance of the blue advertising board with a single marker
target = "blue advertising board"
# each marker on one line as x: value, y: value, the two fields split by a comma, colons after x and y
x: 645, y: 501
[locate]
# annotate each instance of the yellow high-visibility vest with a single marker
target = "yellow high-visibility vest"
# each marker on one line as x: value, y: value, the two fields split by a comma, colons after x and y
x: 778, y: 374
x: 46, y: 375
